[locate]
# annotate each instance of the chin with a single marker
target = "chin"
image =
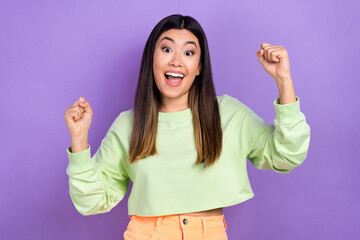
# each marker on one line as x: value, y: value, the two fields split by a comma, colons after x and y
x: 172, y: 94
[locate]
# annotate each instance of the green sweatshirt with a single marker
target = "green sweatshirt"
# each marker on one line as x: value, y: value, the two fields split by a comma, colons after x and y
x: 170, y: 182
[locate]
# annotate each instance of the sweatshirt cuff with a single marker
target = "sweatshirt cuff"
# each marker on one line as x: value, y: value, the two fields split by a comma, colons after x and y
x: 79, y: 160
x: 286, y: 113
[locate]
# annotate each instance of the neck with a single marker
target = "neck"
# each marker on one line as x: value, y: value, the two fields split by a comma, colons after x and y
x: 174, y: 104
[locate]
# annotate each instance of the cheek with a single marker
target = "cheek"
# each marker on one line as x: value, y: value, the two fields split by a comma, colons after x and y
x: 156, y: 59
x: 158, y: 63
x: 193, y: 67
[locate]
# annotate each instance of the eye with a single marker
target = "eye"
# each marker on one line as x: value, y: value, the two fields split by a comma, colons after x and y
x: 166, y: 48
x: 191, y: 53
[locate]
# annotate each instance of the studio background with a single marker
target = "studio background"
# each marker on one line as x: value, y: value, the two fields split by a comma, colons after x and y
x: 53, y: 52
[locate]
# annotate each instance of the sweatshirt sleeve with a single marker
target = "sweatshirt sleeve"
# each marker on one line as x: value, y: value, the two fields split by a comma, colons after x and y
x: 97, y: 184
x: 282, y: 146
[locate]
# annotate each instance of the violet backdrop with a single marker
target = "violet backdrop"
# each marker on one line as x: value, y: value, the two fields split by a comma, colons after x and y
x: 53, y: 52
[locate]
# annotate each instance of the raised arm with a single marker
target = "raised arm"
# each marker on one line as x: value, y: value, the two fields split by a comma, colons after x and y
x: 99, y: 183
x: 284, y: 145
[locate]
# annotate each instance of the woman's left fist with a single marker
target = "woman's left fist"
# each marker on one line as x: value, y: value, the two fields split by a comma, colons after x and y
x: 275, y: 61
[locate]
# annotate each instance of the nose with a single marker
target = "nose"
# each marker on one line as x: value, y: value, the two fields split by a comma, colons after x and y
x: 176, y: 60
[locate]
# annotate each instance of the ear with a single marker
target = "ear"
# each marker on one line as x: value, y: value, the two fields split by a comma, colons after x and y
x: 199, y: 69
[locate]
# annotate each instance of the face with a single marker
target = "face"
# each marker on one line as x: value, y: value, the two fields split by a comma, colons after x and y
x: 176, y: 64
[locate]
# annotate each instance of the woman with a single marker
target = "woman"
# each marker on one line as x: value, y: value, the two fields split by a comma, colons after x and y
x: 183, y: 147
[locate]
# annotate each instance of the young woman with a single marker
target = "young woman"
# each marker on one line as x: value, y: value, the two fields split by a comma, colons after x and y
x: 183, y: 147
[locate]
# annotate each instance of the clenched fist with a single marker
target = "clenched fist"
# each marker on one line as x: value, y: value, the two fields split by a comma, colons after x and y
x: 275, y: 61
x: 78, y: 118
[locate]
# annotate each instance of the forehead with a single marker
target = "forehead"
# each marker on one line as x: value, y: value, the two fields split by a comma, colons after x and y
x: 179, y: 36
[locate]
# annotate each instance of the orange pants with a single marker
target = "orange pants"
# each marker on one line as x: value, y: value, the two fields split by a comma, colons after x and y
x: 176, y: 227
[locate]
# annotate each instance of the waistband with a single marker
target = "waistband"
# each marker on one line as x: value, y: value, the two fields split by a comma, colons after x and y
x: 184, y: 221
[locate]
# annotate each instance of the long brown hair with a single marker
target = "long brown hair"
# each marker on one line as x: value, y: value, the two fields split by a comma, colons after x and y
x: 202, y: 99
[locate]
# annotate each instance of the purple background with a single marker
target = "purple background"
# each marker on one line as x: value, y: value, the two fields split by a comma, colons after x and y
x: 53, y: 52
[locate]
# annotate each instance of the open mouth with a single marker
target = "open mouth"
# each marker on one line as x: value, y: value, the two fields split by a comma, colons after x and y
x: 172, y: 78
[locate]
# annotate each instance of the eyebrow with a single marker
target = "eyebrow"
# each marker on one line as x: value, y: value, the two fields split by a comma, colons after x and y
x: 172, y: 40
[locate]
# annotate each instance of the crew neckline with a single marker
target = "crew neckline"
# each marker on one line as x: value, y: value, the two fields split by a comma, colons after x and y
x: 175, y: 116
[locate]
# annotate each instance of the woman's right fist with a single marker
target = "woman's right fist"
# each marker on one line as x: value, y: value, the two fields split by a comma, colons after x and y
x: 78, y: 118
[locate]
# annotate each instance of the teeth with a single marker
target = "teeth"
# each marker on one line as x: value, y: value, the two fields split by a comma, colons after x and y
x: 174, y: 74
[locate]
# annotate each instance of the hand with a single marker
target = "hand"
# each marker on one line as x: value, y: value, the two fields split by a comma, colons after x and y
x: 275, y: 61
x: 78, y: 118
